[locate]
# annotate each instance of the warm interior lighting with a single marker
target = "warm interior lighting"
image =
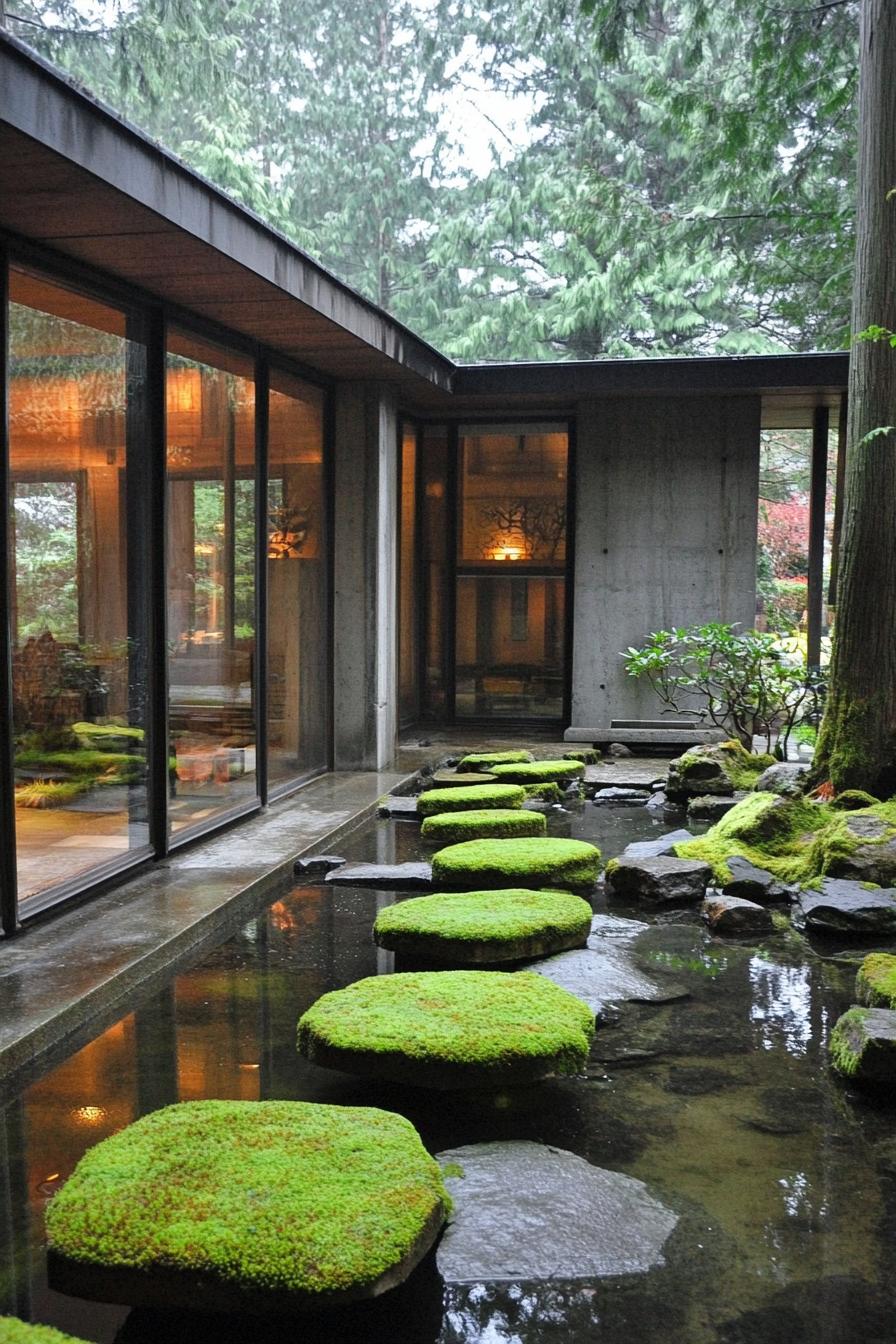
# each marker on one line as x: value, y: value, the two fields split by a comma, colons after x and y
x: 289, y: 533
x: 89, y: 1115
x: 505, y: 549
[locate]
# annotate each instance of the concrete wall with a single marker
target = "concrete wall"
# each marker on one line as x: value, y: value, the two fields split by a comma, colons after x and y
x: 666, y: 508
x: 365, y: 683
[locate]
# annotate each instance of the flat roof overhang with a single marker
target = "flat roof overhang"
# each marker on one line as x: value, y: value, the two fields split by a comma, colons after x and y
x: 81, y: 181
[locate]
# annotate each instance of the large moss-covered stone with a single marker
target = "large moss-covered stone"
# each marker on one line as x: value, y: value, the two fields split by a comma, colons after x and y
x: 449, y: 1029
x: 485, y: 760
x: 466, y: 928
x: 448, y: 827
x: 876, y: 981
x: 539, y: 772
x: 434, y: 801
x: 263, y: 1206
x: 863, y: 1047
x: 536, y: 862
x: 718, y: 768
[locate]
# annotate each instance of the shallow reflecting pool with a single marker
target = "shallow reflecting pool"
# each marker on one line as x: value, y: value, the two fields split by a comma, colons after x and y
x: 718, y: 1096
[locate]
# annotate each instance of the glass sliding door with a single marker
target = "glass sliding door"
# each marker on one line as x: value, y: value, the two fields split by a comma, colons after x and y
x: 298, y: 699
x: 210, y: 438
x: 510, y: 621
x: 76, y: 603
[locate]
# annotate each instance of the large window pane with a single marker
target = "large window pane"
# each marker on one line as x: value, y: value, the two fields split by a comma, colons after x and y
x: 408, y: 645
x: 434, y: 565
x: 297, y: 582
x: 510, y: 647
x: 75, y: 601
x: 211, y: 580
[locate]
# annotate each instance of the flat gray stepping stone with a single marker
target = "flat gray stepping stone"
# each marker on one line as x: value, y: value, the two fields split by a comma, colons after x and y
x: 484, y: 927
x: 449, y: 1029
x: 317, y: 864
x: 625, y: 773
x: 863, y: 1046
x: 392, y: 876
x: 247, y: 1206
x: 398, y: 806
x: 845, y: 906
x: 665, y: 880
x: 619, y: 797
x: 451, y: 779
x: 735, y: 916
x: 599, y: 977
x: 525, y: 1211
x: 709, y: 807
x: 655, y: 849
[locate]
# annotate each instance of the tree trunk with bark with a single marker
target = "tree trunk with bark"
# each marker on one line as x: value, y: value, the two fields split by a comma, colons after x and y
x: 857, y: 743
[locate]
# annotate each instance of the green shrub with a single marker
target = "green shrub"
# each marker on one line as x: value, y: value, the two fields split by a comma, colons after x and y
x: 447, y: 827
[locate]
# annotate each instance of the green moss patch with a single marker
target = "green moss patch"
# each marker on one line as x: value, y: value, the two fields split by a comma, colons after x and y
x: 434, y: 801
x: 539, y: 772
x: 539, y: 862
x: 450, y: 1029
x: 484, y: 760
x: 853, y: 800
x: 13, y: 1331
x: 796, y: 839
x: 484, y: 926
x: 844, y: 1054
x: 447, y: 827
x: 248, y: 1204
x: 45, y: 793
x: 876, y: 981
x: 587, y: 755
x: 547, y: 793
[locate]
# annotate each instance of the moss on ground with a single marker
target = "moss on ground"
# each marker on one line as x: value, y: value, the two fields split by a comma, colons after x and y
x: 587, y: 755
x: 479, y: 1021
x: 876, y: 981
x: 262, y: 1195
x: 537, y: 862
x: 548, y: 792
x: 853, y: 800
x: 13, y: 1331
x: 539, y: 772
x: 798, y: 840
x: 490, y: 920
x: 484, y: 760
x: 434, y: 801
x: 447, y: 827
x: 741, y: 767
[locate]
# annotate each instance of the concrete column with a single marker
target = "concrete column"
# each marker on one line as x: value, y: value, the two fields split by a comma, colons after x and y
x: 365, y: 539
x: 666, y: 513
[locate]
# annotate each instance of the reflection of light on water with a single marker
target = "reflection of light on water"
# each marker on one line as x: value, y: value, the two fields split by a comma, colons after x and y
x: 508, y: 1314
x: 781, y: 1005
x: 797, y: 1191
x: 89, y: 1115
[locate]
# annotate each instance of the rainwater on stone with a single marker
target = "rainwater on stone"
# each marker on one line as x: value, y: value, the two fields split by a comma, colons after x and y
x: 718, y: 1097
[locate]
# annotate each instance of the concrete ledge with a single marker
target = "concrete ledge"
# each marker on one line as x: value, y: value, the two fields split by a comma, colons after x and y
x: 646, y: 737
x: 69, y: 976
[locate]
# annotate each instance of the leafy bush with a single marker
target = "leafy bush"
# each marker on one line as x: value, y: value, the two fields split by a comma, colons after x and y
x: 741, y: 682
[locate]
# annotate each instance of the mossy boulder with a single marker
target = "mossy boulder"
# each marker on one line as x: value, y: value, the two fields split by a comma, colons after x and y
x: 538, y: 862
x: 450, y: 1029
x: 14, y: 1331
x: 434, y: 801
x: 264, y: 1207
x: 539, y: 772
x: 543, y: 793
x: 587, y: 755
x: 447, y: 827
x: 485, y: 760
x: 863, y: 1047
x: 465, y: 928
x: 717, y: 768
x: 876, y: 981
x: 853, y: 800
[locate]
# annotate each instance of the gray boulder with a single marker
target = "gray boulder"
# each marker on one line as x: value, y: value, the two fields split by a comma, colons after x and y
x: 875, y: 862
x: 750, y: 883
x: 665, y: 880
x: 399, y: 807
x: 843, y: 906
x: 392, y: 876
x: 709, y: 807
x: 731, y: 915
x: 315, y: 865
x: 617, y: 797
x: 788, y: 778
x: 655, y: 849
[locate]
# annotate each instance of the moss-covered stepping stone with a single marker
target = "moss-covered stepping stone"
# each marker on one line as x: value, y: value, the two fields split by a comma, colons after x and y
x: 449, y: 1029
x: 14, y: 1331
x: 447, y: 827
x: 863, y: 1047
x: 465, y: 928
x: 587, y: 755
x: 876, y: 981
x: 538, y: 862
x: 452, y: 779
x: 544, y: 793
x: 434, y: 801
x: 484, y: 760
x: 265, y: 1207
x: 539, y: 772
